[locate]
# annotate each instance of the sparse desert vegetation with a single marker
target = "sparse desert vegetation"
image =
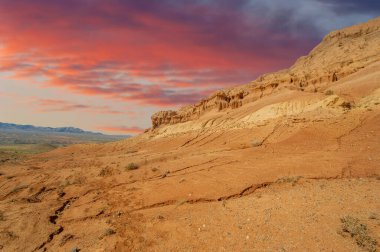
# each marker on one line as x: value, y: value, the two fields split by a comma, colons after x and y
x: 106, y: 171
x: 109, y: 231
x: 359, y: 232
x: 131, y: 151
x: 18, y: 188
x: 16, y: 152
x: 290, y: 180
x: 329, y: 92
x: 132, y: 166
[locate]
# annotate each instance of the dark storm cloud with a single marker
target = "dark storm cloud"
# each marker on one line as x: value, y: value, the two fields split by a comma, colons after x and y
x: 343, y: 7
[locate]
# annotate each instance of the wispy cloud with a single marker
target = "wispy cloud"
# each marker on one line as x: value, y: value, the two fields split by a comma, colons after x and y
x: 52, y: 105
x: 121, y: 129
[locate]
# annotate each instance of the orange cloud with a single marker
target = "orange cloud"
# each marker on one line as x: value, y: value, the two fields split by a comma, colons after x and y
x: 122, y: 129
x: 52, y: 105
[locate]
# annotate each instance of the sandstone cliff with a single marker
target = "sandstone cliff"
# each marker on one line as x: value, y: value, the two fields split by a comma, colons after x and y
x: 340, y: 54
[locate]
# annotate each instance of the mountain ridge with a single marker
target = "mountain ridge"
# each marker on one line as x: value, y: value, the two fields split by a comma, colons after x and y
x: 328, y: 62
x: 29, y: 127
x: 11, y: 133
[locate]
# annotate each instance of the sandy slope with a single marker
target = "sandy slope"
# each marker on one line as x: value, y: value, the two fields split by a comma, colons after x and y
x: 275, y: 173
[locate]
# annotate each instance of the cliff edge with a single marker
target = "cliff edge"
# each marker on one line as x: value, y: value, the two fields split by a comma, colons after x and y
x: 340, y: 54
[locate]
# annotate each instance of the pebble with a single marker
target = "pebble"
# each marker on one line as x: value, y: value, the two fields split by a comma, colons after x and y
x: 75, y: 249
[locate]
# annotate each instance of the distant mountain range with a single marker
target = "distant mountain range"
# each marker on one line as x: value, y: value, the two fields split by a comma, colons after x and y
x: 12, y: 126
x: 11, y: 133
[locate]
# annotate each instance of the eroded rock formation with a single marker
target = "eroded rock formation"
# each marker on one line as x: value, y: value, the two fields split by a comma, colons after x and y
x: 341, y: 53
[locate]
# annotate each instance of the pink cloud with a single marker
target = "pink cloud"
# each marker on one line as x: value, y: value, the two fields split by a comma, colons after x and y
x: 52, y: 105
x: 139, y: 52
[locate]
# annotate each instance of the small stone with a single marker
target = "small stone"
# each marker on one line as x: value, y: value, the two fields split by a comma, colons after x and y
x: 75, y: 249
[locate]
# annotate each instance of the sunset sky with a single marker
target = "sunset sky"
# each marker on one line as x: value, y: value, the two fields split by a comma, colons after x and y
x: 108, y: 65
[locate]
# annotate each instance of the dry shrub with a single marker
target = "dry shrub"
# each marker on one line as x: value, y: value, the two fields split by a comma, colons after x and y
x: 359, y: 232
x: 132, y: 166
x: 329, y: 92
x: 107, y: 232
x: 131, y: 151
x: 290, y: 180
x: 106, y: 171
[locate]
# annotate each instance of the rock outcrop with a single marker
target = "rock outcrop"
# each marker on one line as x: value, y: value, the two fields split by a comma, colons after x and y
x: 341, y: 53
x: 219, y: 100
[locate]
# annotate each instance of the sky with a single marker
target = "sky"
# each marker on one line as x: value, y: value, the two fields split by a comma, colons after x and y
x: 107, y: 66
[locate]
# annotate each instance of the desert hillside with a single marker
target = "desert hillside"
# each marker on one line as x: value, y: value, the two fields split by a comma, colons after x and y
x: 340, y: 54
x: 288, y: 162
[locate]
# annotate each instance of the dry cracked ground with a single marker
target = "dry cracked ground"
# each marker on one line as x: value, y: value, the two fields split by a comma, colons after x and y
x: 202, y: 192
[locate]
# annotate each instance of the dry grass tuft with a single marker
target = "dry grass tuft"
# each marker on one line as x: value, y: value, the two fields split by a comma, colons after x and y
x: 180, y: 202
x: 347, y: 105
x: 329, y: 92
x: 106, y: 171
x: 289, y: 180
x: 131, y: 151
x: 358, y: 231
x: 373, y: 216
x: 132, y: 166
x: 19, y: 188
x: 107, y: 232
